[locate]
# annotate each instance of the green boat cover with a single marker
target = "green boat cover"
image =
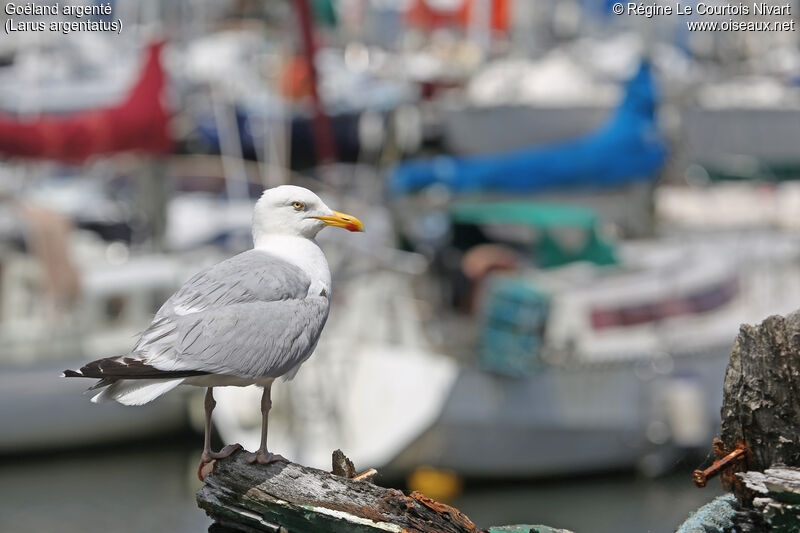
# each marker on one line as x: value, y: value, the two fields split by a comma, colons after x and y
x: 545, y: 218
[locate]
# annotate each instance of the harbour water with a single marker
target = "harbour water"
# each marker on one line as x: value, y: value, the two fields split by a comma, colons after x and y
x: 150, y: 487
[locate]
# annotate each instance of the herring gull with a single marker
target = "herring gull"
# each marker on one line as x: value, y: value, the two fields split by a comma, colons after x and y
x: 247, y: 320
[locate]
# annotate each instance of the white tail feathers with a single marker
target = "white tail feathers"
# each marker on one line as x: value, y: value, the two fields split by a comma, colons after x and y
x: 136, y: 391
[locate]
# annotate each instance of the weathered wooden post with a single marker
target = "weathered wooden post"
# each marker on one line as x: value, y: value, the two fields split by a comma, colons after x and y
x: 762, y: 392
x: 759, y: 446
x: 287, y: 497
x: 761, y: 402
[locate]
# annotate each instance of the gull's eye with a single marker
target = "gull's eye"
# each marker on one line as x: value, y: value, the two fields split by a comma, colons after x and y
x: 298, y: 206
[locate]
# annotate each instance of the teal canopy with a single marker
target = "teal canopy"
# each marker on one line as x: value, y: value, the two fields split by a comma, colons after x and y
x: 545, y: 218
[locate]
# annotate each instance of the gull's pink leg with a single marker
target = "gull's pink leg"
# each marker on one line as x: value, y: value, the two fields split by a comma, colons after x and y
x: 208, y: 456
x: 262, y: 456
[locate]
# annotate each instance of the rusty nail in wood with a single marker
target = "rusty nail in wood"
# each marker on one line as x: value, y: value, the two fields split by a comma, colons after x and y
x: 366, y: 475
x: 701, y: 477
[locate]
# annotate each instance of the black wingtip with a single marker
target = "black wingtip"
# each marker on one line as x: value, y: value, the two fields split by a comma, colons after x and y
x: 71, y: 374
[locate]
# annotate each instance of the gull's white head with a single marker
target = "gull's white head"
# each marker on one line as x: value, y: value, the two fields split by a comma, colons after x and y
x: 298, y: 212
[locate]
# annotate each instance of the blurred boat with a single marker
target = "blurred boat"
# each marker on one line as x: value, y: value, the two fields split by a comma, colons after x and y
x: 743, y: 127
x: 589, y: 368
x: 611, y: 168
x: 68, y: 296
x: 625, y: 149
x: 512, y: 104
x: 58, y: 313
x: 744, y: 143
x: 51, y: 74
x: 138, y: 122
x: 586, y: 365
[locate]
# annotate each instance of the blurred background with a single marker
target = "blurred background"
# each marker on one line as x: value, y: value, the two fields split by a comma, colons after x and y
x: 568, y: 213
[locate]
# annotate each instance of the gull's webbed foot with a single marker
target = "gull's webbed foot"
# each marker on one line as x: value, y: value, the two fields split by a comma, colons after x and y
x: 207, y: 459
x: 263, y: 458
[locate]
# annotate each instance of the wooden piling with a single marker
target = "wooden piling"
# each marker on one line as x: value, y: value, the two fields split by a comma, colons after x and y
x: 285, y: 497
x: 761, y: 398
x: 758, y: 451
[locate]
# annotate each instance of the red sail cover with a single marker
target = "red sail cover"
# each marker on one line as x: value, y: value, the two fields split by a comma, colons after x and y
x: 140, y: 122
x: 420, y: 14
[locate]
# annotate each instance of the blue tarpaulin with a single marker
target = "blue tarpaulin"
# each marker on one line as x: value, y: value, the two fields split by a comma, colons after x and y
x: 627, y: 148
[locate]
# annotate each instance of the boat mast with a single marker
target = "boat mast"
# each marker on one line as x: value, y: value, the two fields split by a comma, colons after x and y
x: 324, y: 147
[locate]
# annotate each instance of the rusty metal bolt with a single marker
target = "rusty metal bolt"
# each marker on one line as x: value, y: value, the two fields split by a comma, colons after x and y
x: 701, y: 477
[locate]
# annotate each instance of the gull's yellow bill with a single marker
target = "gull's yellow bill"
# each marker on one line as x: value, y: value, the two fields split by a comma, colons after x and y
x: 343, y: 220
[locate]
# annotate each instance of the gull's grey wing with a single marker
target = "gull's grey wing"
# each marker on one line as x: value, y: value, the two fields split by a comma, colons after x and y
x: 249, y: 316
x: 252, y: 276
x: 245, y: 340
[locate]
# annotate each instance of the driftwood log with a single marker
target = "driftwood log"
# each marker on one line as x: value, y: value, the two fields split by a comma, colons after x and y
x: 761, y: 401
x: 286, y: 497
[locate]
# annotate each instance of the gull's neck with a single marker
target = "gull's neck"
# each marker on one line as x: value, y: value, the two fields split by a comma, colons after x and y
x: 301, y: 252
